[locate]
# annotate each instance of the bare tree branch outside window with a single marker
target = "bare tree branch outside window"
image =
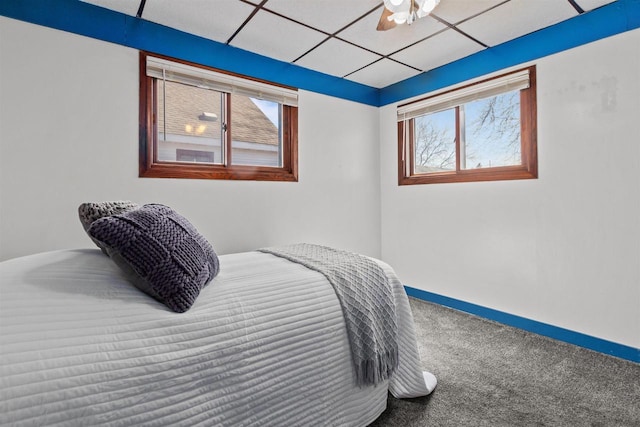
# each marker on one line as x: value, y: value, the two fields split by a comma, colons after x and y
x: 483, y: 131
x: 435, y: 145
x: 493, y: 137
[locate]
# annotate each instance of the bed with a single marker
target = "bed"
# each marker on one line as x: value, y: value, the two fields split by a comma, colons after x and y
x: 263, y: 345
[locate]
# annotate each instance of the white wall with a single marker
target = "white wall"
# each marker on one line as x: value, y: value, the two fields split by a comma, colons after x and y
x: 563, y: 249
x: 69, y: 134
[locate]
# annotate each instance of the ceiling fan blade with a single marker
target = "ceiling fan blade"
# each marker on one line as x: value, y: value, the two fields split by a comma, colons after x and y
x: 384, y: 24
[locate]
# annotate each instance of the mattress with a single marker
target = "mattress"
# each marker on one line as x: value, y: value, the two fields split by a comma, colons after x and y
x: 264, y: 344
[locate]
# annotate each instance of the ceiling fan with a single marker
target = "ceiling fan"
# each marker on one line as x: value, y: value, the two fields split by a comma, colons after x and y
x: 404, y: 12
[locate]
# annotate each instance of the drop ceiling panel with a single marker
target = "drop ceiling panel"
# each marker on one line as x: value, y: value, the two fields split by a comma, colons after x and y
x: 123, y: 6
x: 299, y: 30
x: 337, y: 58
x: 325, y: 15
x: 587, y: 5
x: 438, y: 50
x: 276, y: 37
x: 216, y: 20
x: 517, y: 18
x: 363, y: 33
x: 454, y: 11
x: 383, y: 73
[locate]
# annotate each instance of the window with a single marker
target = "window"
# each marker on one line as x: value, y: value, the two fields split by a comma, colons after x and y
x: 485, y: 131
x: 196, y: 156
x: 196, y: 122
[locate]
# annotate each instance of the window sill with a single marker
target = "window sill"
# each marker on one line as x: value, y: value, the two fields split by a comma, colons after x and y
x: 190, y: 171
x: 489, y: 174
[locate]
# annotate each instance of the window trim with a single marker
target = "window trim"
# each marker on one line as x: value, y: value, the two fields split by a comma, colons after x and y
x: 150, y: 168
x: 528, y: 169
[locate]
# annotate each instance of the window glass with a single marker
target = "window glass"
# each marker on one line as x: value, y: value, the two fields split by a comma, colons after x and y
x: 256, y: 132
x: 195, y: 156
x: 189, y: 120
x: 491, y: 132
x: 483, y: 131
x: 435, y: 142
x: 197, y: 122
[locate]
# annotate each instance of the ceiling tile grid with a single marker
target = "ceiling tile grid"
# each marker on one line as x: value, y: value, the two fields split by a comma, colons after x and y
x: 363, y: 33
x: 339, y: 37
x: 383, y: 73
x: 200, y: 17
x: 337, y: 58
x: 592, y: 4
x: 325, y: 15
x: 516, y: 18
x: 455, y: 11
x: 438, y: 50
x: 277, y: 38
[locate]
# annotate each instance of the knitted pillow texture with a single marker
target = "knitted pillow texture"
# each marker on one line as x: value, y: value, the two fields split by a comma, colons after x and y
x: 160, y: 252
x: 90, y: 212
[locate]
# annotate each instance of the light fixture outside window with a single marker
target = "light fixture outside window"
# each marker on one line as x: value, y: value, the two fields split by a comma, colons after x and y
x: 208, y: 117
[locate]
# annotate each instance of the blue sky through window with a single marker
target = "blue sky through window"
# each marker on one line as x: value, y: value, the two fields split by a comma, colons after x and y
x: 269, y: 108
x: 494, y: 142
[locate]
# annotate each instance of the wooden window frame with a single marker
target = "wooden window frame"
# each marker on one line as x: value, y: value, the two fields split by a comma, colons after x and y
x: 528, y: 169
x: 149, y: 167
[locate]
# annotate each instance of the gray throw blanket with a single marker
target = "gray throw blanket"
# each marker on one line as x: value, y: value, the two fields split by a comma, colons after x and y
x: 367, y: 303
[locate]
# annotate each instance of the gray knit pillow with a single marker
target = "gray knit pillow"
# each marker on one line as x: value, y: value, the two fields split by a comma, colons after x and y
x: 161, y: 253
x: 90, y: 212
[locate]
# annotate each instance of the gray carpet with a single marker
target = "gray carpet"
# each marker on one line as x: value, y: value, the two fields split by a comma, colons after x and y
x: 490, y: 374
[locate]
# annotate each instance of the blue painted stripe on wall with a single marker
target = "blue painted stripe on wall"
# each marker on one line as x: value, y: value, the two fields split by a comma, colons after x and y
x: 614, y: 18
x: 555, y: 332
x: 92, y: 21
x: 86, y: 19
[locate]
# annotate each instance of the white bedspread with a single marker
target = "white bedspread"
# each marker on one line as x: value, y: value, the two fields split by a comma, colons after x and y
x: 264, y: 344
